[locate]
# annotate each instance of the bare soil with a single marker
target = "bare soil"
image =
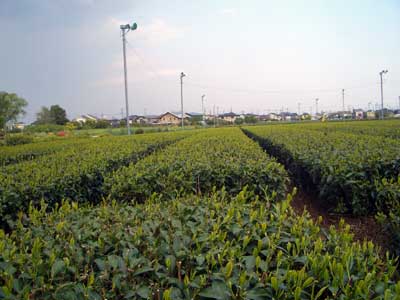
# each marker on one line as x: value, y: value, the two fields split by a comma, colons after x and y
x: 363, y: 228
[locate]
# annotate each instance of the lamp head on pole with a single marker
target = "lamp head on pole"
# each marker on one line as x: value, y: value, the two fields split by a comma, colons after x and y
x: 183, y: 74
x: 128, y: 26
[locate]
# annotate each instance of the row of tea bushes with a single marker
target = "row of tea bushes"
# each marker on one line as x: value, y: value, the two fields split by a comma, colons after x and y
x: 387, y: 128
x: 16, y: 154
x: 216, y: 158
x: 77, y: 173
x: 342, y: 166
x: 195, y: 248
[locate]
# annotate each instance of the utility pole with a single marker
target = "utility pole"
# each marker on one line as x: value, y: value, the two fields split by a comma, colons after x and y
x: 381, y: 74
x: 316, y: 106
x: 399, y: 102
x: 202, y: 106
x: 182, y: 75
x: 125, y: 29
x: 214, y: 114
x: 299, y: 108
x: 217, y: 115
x: 343, y: 99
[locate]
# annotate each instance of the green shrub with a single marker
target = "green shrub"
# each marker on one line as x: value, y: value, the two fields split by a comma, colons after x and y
x: 77, y: 173
x: 139, y: 131
x: 194, y: 248
x: 221, y: 158
x: 18, y: 139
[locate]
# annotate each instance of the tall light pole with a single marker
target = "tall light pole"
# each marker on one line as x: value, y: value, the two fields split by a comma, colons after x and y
x: 182, y: 75
x: 202, y: 106
x: 125, y: 29
x: 343, y: 99
x: 299, y: 108
x: 316, y: 106
x: 381, y: 74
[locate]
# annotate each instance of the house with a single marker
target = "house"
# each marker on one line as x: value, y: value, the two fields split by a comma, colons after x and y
x: 358, y: 114
x: 229, y: 117
x: 169, y: 118
x: 273, y: 117
x: 340, y: 115
x: 19, y: 125
x: 137, y: 119
x: 152, y: 119
x: 397, y: 113
x: 288, y: 116
x: 370, y: 115
x: 84, y: 118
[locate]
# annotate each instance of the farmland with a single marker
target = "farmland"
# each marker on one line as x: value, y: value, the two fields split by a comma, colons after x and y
x: 200, y: 214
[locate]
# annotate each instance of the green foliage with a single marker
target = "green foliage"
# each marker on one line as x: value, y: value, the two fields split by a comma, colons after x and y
x: 11, y: 107
x: 221, y: 158
x: 55, y: 115
x: 17, y: 139
x: 250, y: 119
x: 102, y: 124
x: 239, y: 121
x: 194, y: 248
x: 75, y: 173
x: 47, y: 128
x: 12, y: 155
x: 343, y: 167
x: 141, y: 131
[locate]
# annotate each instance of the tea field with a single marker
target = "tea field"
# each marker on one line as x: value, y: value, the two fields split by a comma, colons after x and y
x: 200, y: 214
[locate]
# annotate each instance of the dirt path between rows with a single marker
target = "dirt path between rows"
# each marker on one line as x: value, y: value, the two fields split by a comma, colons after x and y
x: 363, y: 228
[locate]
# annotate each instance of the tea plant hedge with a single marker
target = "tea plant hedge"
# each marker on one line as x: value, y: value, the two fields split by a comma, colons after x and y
x: 342, y: 166
x: 77, y: 173
x: 216, y: 158
x: 16, y: 154
x: 386, y: 128
x: 194, y: 248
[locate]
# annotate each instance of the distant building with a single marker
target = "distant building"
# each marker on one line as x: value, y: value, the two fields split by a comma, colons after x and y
x: 273, y: 117
x: 84, y: 118
x: 340, y: 115
x: 169, y: 118
x: 358, y: 114
x: 370, y: 115
x: 229, y: 117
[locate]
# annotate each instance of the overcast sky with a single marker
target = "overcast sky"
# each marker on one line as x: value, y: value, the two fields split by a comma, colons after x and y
x: 253, y: 56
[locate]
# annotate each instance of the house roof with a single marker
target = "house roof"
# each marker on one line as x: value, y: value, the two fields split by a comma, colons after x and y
x: 229, y: 114
x: 170, y: 114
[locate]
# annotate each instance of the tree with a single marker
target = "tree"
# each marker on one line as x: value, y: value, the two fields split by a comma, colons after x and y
x: 239, y: 121
x: 55, y: 115
x: 11, y: 107
x: 58, y: 115
x: 250, y: 119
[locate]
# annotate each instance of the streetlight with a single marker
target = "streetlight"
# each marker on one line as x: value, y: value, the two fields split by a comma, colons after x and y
x: 125, y: 29
x: 202, y: 105
x: 316, y: 106
x: 182, y: 75
x: 381, y: 74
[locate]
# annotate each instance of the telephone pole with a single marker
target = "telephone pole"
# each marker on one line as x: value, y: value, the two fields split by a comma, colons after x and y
x: 125, y: 29
x: 202, y: 106
x: 343, y: 99
x: 381, y: 74
x: 182, y: 75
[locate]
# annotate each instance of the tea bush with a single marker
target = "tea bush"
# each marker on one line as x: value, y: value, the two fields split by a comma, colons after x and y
x: 221, y: 158
x: 77, y: 173
x: 343, y: 167
x: 193, y: 248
